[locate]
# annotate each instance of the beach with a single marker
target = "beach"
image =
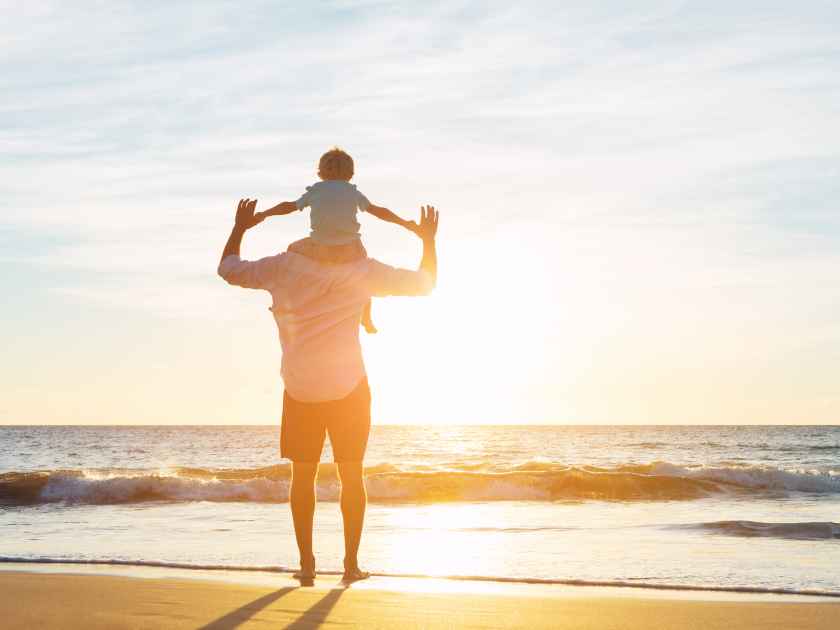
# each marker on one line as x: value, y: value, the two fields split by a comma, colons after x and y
x: 107, y: 597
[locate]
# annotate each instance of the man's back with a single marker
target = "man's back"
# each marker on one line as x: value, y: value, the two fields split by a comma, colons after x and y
x: 317, y: 309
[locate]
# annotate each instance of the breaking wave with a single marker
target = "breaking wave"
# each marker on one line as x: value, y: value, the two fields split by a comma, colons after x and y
x: 536, y: 481
x: 755, y: 529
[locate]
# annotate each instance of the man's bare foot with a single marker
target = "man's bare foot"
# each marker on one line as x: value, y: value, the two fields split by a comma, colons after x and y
x: 354, y: 575
x: 307, y: 570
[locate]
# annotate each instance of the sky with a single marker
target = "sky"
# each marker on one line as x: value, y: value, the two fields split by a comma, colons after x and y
x: 639, y: 205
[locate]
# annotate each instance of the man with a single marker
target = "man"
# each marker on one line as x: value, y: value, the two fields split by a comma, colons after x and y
x: 318, y: 308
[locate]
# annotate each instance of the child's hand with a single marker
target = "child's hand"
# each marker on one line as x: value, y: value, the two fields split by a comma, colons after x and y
x: 412, y: 226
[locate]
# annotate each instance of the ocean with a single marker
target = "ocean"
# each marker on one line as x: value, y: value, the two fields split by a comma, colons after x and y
x: 733, y: 507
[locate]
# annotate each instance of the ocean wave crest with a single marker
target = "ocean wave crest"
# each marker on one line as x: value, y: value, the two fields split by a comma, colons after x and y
x: 755, y: 529
x: 536, y: 481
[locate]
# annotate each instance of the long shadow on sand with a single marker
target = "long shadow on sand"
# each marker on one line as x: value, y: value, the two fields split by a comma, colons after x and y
x: 311, y: 618
x: 244, y: 613
x: 318, y: 612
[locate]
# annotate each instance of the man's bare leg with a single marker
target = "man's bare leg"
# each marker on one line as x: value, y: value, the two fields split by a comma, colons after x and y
x: 302, y: 500
x: 353, y: 504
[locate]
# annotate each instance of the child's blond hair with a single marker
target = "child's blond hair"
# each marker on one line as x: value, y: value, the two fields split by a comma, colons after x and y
x: 336, y: 164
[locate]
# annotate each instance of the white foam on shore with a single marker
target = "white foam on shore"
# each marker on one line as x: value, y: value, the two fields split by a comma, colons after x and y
x: 64, y: 565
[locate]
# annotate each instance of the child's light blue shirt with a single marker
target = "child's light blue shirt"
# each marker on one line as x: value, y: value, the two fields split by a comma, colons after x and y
x: 333, y: 218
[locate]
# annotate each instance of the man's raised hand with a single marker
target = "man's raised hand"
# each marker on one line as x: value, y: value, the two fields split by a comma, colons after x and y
x: 245, y: 216
x: 427, y: 228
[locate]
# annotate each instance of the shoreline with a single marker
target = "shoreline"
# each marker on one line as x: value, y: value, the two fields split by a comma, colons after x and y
x: 412, y: 582
x: 91, y: 597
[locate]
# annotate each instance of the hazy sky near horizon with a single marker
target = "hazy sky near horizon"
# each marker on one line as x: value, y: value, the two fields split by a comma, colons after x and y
x: 639, y: 205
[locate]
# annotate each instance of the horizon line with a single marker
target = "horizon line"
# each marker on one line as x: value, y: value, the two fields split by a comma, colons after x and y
x: 421, y: 424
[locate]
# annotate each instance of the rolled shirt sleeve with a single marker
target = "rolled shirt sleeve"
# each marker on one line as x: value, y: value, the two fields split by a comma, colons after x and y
x: 305, y: 199
x: 384, y: 280
x: 257, y: 274
x: 362, y: 202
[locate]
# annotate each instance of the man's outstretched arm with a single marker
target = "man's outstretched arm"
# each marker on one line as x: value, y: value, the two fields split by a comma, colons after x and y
x: 257, y: 274
x: 387, y: 280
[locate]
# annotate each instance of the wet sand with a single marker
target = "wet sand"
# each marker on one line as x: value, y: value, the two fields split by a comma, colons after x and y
x: 166, y: 599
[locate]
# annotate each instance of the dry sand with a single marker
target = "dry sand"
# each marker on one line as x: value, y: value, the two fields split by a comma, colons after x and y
x: 88, y: 601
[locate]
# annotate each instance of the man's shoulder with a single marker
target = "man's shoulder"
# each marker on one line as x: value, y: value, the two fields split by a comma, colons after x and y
x: 384, y: 279
x: 372, y: 264
x: 362, y: 270
x: 377, y: 268
x: 295, y: 262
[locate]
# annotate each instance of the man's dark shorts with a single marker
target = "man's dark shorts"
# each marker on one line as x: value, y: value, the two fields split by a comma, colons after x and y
x: 305, y: 425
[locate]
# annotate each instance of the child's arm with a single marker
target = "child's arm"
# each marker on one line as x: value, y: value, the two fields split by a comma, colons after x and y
x: 286, y: 207
x: 386, y: 215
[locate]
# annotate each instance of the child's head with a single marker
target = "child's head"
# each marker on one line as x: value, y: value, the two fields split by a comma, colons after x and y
x: 336, y: 164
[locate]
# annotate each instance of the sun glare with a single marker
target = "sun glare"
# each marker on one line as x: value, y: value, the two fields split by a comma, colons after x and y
x: 482, y: 337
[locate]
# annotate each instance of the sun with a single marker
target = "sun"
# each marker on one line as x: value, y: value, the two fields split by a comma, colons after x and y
x: 475, y: 350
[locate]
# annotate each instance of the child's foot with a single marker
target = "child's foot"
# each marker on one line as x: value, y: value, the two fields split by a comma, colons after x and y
x: 367, y: 320
x: 369, y: 328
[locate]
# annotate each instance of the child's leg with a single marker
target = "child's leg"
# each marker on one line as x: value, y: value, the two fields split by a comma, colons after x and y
x: 367, y: 322
x: 304, y: 247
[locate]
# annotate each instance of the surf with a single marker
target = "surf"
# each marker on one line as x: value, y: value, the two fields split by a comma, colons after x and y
x: 527, y: 481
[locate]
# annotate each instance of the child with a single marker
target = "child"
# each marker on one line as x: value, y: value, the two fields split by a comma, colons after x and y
x: 334, y: 236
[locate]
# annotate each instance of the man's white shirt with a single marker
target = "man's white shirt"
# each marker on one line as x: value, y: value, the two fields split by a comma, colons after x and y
x: 317, y: 308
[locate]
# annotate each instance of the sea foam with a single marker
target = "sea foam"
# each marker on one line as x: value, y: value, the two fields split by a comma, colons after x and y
x: 535, y: 481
